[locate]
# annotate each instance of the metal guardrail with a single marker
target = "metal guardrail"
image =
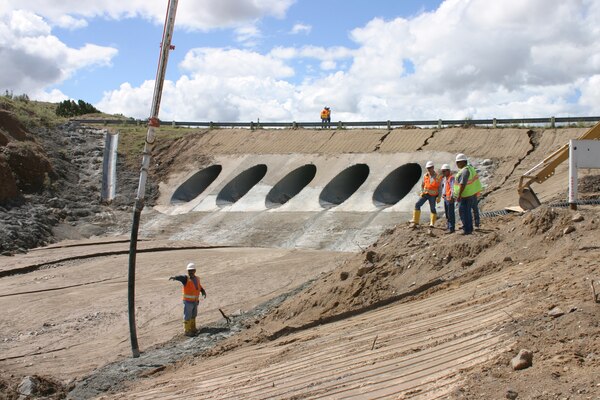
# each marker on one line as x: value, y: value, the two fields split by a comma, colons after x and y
x: 494, y: 122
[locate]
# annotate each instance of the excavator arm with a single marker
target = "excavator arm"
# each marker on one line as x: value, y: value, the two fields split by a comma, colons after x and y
x: 545, y: 169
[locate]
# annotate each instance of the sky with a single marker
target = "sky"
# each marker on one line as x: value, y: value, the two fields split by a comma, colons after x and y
x: 284, y: 60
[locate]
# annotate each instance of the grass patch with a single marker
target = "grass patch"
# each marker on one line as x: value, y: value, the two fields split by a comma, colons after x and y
x: 32, y: 114
x: 132, y: 139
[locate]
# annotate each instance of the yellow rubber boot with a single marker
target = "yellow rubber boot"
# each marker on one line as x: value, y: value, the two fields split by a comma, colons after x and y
x: 416, y: 217
x: 187, y: 327
x: 432, y: 219
x: 193, y: 326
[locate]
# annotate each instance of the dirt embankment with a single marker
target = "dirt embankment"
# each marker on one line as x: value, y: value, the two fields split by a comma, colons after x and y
x: 405, y: 264
x: 50, y: 182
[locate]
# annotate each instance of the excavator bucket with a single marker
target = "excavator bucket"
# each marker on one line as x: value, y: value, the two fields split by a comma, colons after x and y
x: 528, y: 199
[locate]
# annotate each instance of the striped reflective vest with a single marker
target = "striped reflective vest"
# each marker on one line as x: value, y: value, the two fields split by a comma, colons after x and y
x: 473, y: 185
x: 431, y: 186
x: 449, y: 187
x: 191, y: 291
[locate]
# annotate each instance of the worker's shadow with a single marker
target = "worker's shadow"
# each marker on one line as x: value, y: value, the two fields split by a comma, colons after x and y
x: 213, y: 330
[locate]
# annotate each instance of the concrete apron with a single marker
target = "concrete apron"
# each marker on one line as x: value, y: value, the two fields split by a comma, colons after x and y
x: 335, y: 202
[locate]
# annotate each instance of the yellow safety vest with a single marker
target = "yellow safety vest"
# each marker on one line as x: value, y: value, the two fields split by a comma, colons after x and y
x: 473, y: 185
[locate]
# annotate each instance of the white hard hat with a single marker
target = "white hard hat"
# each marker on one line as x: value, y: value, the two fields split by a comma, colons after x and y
x: 429, y: 164
x: 461, y: 157
x: 191, y: 267
x: 445, y: 166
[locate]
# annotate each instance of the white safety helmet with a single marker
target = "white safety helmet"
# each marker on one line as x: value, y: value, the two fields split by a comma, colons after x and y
x: 429, y: 164
x: 461, y: 157
x: 446, y: 167
x: 191, y: 267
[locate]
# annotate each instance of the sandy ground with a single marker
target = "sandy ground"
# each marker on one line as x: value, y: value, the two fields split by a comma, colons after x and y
x: 70, y: 315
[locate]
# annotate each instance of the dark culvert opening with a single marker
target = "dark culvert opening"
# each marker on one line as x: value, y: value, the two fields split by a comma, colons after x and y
x: 340, y: 188
x: 195, y: 185
x: 290, y: 185
x: 241, y: 184
x: 397, y: 184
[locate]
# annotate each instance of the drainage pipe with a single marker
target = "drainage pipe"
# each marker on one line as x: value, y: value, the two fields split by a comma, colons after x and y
x: 153, y: 122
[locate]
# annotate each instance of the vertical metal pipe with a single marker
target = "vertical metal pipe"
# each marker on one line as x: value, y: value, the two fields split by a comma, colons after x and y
x: 153, y: 122
x: 572, y: 176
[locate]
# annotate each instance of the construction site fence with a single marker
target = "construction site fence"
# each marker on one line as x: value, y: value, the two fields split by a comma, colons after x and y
x: 550, y: 122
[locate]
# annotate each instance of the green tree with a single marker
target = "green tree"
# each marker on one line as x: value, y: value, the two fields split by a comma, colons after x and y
x: 69, y: 108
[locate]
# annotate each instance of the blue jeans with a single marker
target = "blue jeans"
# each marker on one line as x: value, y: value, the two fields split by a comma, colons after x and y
x: 450, y: 216
x: 476, y: 212
x: 425, y: 198
x: 190, y: 310
x: 465, y: 210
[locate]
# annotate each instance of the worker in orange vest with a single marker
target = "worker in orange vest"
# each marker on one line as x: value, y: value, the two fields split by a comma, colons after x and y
x: 448, y: 196
x: 430, y: 192
x: 326, y: 118
x: 191, y: 297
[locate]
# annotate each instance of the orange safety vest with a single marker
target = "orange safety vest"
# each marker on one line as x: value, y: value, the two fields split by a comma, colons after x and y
x: 190, y: 291
x: 431, y: 186
x: 449, y: 187
x: 324, y: 114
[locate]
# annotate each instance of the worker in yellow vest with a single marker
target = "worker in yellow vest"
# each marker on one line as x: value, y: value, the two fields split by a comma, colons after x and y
x: 466, y: 187
x: 448, y: 196
x: 430, y: 192
x: 191, y: 297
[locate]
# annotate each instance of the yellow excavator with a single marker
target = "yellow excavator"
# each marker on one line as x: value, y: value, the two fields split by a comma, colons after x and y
x: 544, y: 170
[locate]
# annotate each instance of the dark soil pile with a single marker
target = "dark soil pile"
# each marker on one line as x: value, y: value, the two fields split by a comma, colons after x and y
x: 32, y: 387
x: 51, y: 180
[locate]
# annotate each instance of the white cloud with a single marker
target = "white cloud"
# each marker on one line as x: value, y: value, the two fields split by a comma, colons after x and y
x: 301, y: 28
x: 34, y: 59
x: 248, y: 35
x: 233, y: 63
x: 328, y: 65
x: 472, y: 58
x: 68, y: 22
x: 198, y: 14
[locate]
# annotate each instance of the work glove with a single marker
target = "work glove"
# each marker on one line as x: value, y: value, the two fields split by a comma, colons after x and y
x: 203, y: 294
x: 171, y: 278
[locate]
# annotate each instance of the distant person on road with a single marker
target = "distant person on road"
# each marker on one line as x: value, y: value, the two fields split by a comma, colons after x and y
x: 466, y: 187
x: 191, y: 297
x: 448, y: 196
x: 430, y: 192
x: 326, y: 118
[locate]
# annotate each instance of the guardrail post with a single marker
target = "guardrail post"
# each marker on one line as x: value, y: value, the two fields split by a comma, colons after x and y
x: 494, y: 123
x: 210, y: 125
x: 251, y: 125
x: 439, y: 124
x: 339, y: 126
x: 552, y: 122
x: 389, y: 125
x: 173, y: 124
x: 294, y: 125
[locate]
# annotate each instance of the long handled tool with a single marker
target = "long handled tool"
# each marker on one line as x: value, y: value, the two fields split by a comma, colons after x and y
x: 153, y: 123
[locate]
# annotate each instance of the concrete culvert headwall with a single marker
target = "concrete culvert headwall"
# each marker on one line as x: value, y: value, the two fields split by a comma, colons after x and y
x: 240, y: 185
x: 397, y: 184
x: 340, y: 188
x: 195, y: 185
x: 290, y: 185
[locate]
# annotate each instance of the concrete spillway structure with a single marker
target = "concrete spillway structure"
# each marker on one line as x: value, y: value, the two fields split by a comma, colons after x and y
x: 331, y: 189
